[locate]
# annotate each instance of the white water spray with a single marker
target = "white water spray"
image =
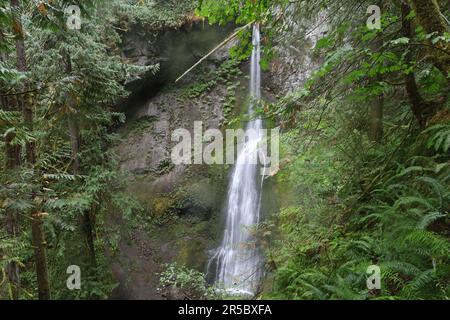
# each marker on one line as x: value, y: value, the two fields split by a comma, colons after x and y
x: 237, y: 260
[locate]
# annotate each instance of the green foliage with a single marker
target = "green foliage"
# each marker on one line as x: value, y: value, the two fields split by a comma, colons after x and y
x: 243, y: 12
x: 439, y: 137
x: 155, y: 15
x: 226, y: 74
x: 336, y: 229
x: 357, y: 203
x: 85, y: 93
x: 192, y: 283
x: 239, y: 11
x: 354, y: 202
x: 197, y: 89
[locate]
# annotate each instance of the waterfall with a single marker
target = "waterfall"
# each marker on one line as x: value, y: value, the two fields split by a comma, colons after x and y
x: 237, y: 260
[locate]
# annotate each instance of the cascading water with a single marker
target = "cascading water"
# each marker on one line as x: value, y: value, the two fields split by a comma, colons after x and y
x: 237, y: 260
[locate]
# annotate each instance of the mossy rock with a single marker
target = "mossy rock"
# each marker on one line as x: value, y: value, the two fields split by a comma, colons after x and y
x: 192, y: 252
x: 162, y: 205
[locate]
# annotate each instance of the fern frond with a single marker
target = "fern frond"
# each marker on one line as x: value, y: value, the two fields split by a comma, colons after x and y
x: 417, y: 285
x: 429, y: 219
x: 428, y: 243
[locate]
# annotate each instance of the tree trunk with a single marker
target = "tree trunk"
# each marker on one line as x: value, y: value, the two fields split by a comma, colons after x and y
x: 419, y: 107
x: 431, y: 19
x: 12, y: 152
x: 26, y: 101
x: 39, y: 244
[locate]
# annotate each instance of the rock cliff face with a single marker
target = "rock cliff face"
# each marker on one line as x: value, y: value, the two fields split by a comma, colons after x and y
x: 182, y: 203
x: 295, y: 60
x: 175, y: 50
